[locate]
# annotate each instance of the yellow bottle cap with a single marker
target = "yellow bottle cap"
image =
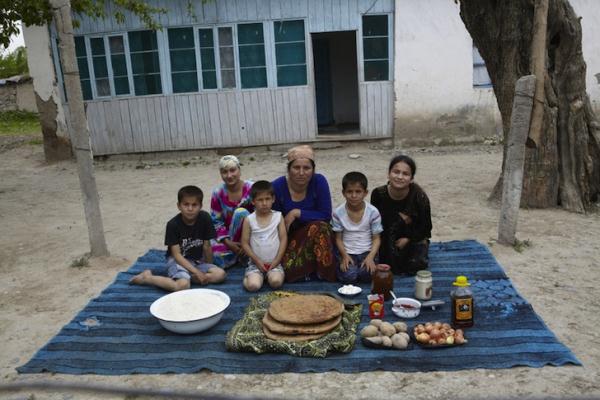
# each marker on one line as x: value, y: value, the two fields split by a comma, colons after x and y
x: 461, y: 281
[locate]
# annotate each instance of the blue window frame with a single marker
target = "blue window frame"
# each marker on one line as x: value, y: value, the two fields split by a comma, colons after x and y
x: 481, y: 78
x: 376, y: 56
x: 118, y: 65
x: 290, y: 52
x: 100, y: 67
x: 207, y: 58
x: 251, y: 51
x: 145, y: 64
x: 84, y: 71
x: 182, y: 54
x: 226, y: 57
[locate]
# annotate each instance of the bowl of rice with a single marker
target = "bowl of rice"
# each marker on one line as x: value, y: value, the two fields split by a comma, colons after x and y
x: 190, y: 311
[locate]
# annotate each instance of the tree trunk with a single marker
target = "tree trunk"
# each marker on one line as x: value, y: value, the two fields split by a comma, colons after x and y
x: 80, y: 134
x: 538, y: 66
x: 564, y: 168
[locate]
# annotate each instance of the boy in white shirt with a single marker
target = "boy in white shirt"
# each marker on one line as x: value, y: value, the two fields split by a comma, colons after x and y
x: 357, y: 225
x: 264, y: 239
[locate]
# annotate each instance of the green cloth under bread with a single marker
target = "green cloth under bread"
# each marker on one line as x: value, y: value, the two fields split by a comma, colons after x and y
x: 247, y: 334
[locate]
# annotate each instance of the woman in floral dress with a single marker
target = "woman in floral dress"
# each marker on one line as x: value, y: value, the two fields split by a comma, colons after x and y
x: 229, y: 205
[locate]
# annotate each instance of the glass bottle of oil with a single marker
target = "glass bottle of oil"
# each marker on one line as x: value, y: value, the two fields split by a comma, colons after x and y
x: 462, y: 303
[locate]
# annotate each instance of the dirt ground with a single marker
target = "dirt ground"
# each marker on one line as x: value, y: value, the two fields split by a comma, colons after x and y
x: 43, y: 230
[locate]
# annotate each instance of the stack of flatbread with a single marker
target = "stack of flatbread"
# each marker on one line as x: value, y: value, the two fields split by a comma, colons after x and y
x: 302, y: 317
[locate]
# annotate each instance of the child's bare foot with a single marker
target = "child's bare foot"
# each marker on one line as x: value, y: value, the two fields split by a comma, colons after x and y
x: 141, y: 278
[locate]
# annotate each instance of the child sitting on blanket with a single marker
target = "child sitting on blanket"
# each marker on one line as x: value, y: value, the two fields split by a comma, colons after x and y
x: 189, y: 255
x: 264, y: 239
x: 357, y: 225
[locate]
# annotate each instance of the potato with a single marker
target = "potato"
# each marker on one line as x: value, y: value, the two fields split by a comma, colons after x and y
x: 386, y: 341
x: 369, y: 331
x: 387, y: 329
x: 399, y: 341
x: 376, y: 322
x: 400, y: 327
x: 376, y: 339
x: 405, y: 335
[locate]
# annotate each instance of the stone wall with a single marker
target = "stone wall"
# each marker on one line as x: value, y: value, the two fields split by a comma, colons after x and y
x: 26, y: 97
x: 17, y: 96
x: 8, y: 97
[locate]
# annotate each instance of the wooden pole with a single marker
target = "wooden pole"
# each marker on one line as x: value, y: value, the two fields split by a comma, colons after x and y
x: 512, y: 183
x: 80, y: 134
x: 538, y: 68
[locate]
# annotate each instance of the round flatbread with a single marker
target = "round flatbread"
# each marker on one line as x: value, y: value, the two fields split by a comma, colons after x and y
x: 291, y: 338
x: 297, y: 329
x: 305, y: 309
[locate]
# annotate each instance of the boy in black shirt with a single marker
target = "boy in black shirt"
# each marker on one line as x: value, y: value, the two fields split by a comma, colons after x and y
x: 189, y: 255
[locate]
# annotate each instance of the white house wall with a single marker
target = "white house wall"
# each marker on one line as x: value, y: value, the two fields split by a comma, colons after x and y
x: 435, y: 97
x: 226, y: 118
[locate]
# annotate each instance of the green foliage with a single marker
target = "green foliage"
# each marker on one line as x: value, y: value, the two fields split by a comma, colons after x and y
x: 31, y: 12
x: 38, y: 12
x: 81, y: 262
x: 19, y: 123
x: 520, y: 246
x: 14, y: 63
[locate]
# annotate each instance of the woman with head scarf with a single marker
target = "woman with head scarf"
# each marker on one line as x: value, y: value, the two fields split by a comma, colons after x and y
x: 304, y: 199
x: 229, y: 205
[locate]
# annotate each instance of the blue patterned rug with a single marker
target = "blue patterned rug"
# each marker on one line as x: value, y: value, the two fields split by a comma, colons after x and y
x: 115, y: 333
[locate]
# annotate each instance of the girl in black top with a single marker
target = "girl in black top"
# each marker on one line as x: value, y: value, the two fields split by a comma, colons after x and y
x: 406, y: 218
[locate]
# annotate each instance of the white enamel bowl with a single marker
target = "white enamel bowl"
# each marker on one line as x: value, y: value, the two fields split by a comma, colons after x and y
x: 190, y: 311
x: 406, y: 307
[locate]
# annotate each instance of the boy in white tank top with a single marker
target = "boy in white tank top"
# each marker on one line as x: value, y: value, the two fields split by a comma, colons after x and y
x: 264, y: 239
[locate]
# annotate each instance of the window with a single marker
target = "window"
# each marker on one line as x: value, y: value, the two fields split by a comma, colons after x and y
x: 375, y: 47
x: 82, y: 64
x: 251, y: 48
x: 182, y: 51
x: 199, y: 58
x: 207, y: 59
x: 145, y: 66
x: 481, y: 77
x: 290, y: 53
x: 102, y: 83
x: 118, y: 63
x: 226, y: 57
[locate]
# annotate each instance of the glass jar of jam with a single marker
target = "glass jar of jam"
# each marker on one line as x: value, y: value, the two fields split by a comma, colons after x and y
x: 383, y: 281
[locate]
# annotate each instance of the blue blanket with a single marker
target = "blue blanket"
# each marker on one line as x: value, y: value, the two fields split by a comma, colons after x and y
x: 115, y: 333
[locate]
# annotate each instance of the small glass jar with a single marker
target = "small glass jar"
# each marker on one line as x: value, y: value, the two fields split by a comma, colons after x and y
x: 423, y: 285
x: 383, y: 281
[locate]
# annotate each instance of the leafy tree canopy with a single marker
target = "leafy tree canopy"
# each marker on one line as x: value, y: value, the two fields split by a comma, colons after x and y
x: 39, y: 12
x: 14, y: 63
